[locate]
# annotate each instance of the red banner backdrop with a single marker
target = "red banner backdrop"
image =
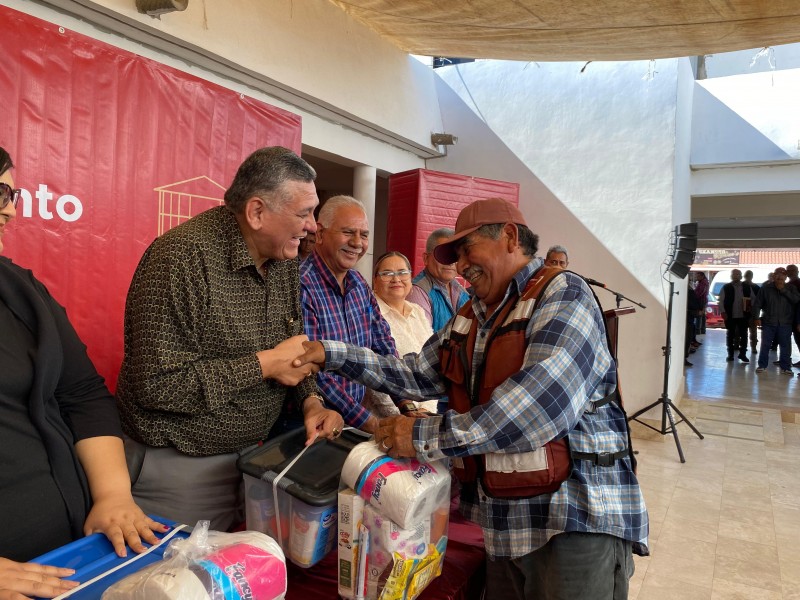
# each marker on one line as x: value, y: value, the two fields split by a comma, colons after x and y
x: 112, y: 149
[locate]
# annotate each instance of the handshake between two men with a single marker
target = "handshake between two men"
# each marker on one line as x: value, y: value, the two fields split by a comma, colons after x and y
x: 296, y: 358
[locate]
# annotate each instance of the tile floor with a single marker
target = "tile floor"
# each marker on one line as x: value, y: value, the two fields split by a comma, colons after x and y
x: 726, y: 523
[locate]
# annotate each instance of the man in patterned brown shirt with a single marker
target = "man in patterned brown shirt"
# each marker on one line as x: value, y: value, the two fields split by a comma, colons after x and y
x: 212, y: 322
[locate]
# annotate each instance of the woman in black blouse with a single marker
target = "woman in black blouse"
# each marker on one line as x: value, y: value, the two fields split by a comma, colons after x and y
x: 62, y: 463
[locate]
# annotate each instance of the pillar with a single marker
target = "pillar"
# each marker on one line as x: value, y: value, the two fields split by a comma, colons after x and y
x: 364, y: 182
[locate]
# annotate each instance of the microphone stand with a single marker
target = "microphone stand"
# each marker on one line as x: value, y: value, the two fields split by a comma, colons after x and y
x: 618, y: 295
x: 667, y: 406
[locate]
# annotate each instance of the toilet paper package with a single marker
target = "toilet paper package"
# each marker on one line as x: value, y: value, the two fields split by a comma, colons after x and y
x: 401, y: 562
x: 210, y: 566
x: 404, y: 490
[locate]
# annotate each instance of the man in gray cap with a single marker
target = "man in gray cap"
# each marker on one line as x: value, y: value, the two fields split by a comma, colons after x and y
x: 526, y: 367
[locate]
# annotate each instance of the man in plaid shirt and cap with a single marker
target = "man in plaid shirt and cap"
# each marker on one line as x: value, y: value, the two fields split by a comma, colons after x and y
x: 575, y: 541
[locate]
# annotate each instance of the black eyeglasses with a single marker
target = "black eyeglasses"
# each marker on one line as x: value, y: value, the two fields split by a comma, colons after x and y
x: 403, y: 275
x: 8, y: 194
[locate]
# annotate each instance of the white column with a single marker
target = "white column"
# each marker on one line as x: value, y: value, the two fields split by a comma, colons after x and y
x: 364, y: 180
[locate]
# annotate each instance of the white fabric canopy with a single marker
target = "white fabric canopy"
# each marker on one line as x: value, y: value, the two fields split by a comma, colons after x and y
x: 561, y: 30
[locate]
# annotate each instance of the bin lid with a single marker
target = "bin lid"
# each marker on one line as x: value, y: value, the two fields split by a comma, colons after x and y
x: 93, y: 557
x: 314, y: 478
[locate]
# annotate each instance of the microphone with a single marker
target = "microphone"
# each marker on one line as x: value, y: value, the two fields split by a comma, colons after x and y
x: 591, y: 281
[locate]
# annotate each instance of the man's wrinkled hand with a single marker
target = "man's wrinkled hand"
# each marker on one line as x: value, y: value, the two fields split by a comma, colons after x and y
x: 277, y: 363
x: 312, y: 353
x: 395, y: 436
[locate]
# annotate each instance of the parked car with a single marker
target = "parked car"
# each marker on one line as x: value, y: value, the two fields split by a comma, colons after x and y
x: 713, y: 318
x: 724, y: 276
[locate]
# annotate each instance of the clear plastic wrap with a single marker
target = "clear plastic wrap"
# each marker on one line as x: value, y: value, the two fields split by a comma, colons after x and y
x: 402, y: 562
x: 210, y: 565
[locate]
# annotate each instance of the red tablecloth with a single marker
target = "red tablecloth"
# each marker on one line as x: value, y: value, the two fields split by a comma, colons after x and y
x: 463, y: 574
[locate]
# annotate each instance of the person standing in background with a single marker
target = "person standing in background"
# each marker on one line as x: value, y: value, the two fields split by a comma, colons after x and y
x: 410, y: 328
x: 557, y: 256
x: 307, y: 245
x: 774, y: 310
x: 693, y: 308
x: 793, y: 280
x: 771, y: 278
x: 701, y: 287
x: 734, y: 306
x: 436, y: 289
x: 751, y: 322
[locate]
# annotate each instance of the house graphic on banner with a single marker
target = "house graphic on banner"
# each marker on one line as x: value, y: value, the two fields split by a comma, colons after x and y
x: 180, y: 201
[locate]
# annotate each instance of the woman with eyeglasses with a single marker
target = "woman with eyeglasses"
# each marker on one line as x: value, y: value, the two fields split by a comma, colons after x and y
x: 62, y: 464
x: 410, y: 327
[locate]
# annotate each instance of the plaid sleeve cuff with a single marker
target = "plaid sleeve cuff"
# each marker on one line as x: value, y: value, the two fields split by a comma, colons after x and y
x: 335, y: 354
x: 426, y: 438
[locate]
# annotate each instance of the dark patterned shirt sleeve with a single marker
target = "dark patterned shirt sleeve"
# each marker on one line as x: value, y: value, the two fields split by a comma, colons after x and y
x: 167, y: 312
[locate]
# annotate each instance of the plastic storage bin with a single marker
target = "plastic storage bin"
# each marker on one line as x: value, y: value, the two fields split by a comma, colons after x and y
x: 307, y: 494
x: 94, y: 555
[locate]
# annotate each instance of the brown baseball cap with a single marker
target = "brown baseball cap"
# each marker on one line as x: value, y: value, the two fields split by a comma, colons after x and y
x: 473, y: 216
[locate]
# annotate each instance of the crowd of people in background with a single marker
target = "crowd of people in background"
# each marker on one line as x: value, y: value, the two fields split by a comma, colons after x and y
x: 772, y: 307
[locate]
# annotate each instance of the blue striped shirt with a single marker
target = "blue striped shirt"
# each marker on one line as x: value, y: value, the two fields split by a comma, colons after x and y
x: 567, y: 367
x: 352, y: 317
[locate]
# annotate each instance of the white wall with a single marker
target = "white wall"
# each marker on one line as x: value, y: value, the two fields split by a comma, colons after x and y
x: 747, y: 179
x: 596, y: 154
x: 747, y: 118
x: 755, y: 60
